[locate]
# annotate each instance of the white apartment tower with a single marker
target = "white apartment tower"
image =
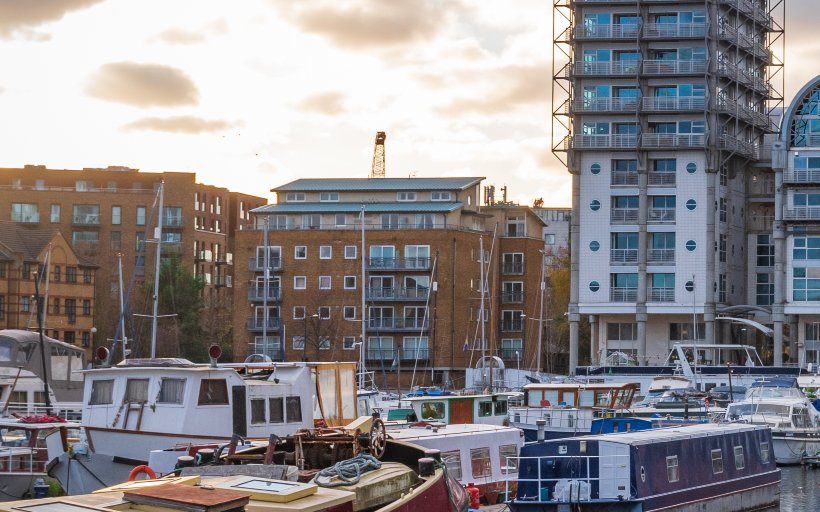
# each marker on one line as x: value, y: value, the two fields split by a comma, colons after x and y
x: 665, y: 106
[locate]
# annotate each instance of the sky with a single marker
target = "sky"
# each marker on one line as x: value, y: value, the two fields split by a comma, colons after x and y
x: 252, y: 94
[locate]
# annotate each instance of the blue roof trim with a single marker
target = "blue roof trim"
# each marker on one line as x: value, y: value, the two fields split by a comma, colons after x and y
x: 357, y: 207
x: 376, y: 184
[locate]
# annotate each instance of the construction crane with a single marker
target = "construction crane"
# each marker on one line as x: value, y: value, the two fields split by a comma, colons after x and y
x: 378, y: 156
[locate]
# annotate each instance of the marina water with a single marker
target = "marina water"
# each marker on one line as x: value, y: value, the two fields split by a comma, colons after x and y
x: 799, y: 490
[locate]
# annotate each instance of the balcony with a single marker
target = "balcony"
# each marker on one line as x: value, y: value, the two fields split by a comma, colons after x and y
x: 801, y: 176
x: 414, y: 354
x: 272, y: 350
x: 663, y: 179
x: 258, y: 264
x: 623, y: 255
x: 609, y: 31
x: 674, y: 67
x: 224, y: 258
x: 660, y: 256
x: 674, y: 30
x: 258, y: 324
x: 751, y: 10
x: 623, y: 294
x: 171, y: 248
x: 205, y: 256
x: 605, y: 68
x: 624, y: 178
x: 746, y: 78
x: 223, y: 281
x: 619, y: 141
x: 257, y: 294
x: 512, y: 268
x: 512, y: 353
x: 748, y: 115
x: 747, y: 43
x: 605, y: 105
x: 623, y: 215
x: 660, y: 295
x: 25, y: 218
x: 734, y: 145
x: 760, y: 222
x: 397, y: 293
x: 762, y: 189
x: 381, y: 354
x: 660, y: 215
x: 672, y: 104
x: 397, y: 263
x: 512, y: 297
x: 172, y: 222
x: 398, y: 323
x: 802, y: 213
x: 512, y: 325
x: 673, y: 140
x: 86, y: 219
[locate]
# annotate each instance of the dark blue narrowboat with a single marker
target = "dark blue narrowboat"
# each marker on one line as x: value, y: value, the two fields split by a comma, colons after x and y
x: 720, y: 467
x: 630, y: 424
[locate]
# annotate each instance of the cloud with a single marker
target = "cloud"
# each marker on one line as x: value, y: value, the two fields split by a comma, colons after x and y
x: 142, y: 85
x: 18, y: 15
x: 358, y: 24
x: 510, y: 88
x: 329, y: 103
x: 181, y: 124
x: 176, y: 35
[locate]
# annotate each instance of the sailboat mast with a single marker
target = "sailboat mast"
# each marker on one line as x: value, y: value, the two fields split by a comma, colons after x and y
x: 265, y: 255
x: 541, y: 314
x: 481, y: 310
x: 158, y: 233
x: 364, y: 305
x: 122, y: 312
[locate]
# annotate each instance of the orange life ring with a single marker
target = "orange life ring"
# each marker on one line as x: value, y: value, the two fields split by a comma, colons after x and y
x: 141, y: 469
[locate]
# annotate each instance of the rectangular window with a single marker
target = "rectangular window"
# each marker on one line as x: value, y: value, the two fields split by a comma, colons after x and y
x: 348, y: 342
x: 672, y: 473
x: 89, y: 238
x: 350, y: 252
x: 102, y: 392
x: 171, y: 391
x: 295, y: 197
x: 500, y: 408
x: 765, y: 250
x: 507, y: 454
x: 549, y: 239
x: 257, y: 410
x: 24, y: 304
x: 56, y: 273
x: 324, y: 282
x: 485, y: 409
x: 71, y: 274
x: 350, y: 312
x: 69, y: 337
x: 311, y: 221
x: 116, y: 240
x: 480, y: 462
x: 86, y: 275
x: 116, y: 215
x: 350, y: 282
x: 298, y: 312
x: 276, y: 412
x: 740, y: 461
x: 685, y: 332
x: 453, y: 462
x: 765, y: 290
x: 325, y: 252
x: 136, y: 391
x: 300, y: 252
x: 717, y: 461
x: 140, y: 215
x: 2, y: 307
x: 86, y: 339
x: 341, y: 220
x: 406, y: 196
x: 213, y: 392
x: 722, y: 248
x: 299, y: 282
x: 722, y: 288
x: 27, y: 213
x: 55, y: 213
x: 298, y: 343
x: 329, y: 197
x: 294, y: 409
x: 86, y: 307
x: 764, y: 453
x: 439, y: 196
x: 139, y: 242
x: 56, y: 306
x: 324, y: 313
x: 71, y: 310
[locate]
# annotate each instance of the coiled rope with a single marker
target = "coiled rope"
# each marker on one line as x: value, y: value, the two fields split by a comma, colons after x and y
x: 348, y: 471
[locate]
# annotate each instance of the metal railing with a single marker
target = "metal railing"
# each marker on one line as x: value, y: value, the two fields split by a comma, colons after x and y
x: 25, y: 218
x: 381, y: 354
x: 398, y: 323
x: 512, y: 325
x: 204, y: 256
x: 762, y: 187
x: 258, y: 293
x: 761, y: 222
x: 605, y: 104
x: 660, y: 215
x: 171, y: 248
x: 623, y: 215
x: 512, y: 268
x: 623, y: 178
x: 272, y: 350
x: 747, y: 114
x: 801, y: 176
x: 673, y: 140
x: 83, y: 190
x: 172, y: 222
x: 606, y: 68
x: 661, y: 178
x: 397, y: 293
x: 802, y: 213
x: 672, y: 103
x: 623, y: 255
x: 674, y: 67
x: 583, y: 473
x: 86, y: 219
x: 258, y: 264
x: 661, y: 294
x: 512, y: 353
x: 224, y: 258
x: 357, y: 226
x: 660, y: 255
x: 618, y: 141
x: 607, y: 31
x: 414, y: 354
x: 671, y: 30
x: 738, y: 146
x: 512, y: 297
x: 617, y: 294
x: 257, y: 324
x: 397, y: 263
x: 747, y: 78
x: 22, y: 460
x: 224, y: 281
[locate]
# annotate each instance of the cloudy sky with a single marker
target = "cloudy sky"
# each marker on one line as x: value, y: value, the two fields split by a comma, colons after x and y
x: 251, y: 94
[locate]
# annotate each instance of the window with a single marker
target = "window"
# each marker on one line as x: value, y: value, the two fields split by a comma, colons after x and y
x: 765, y: 290
x: 116, y: 215
x: 71, y: 310
x: 432, y: 410
x: 621, y: 337
x: 86, y: 307
x: 56, y: 272
x: 717, y: 461
x: 672, y: 473
x: 453, y: 462
x: 140, y: 215
x: 86, y: 275
x: 171, y: 391
x: 90, y: 238
x: 350, y: 282
x: 86, y: 339
x: 276, y: 410
x: 507, y: 454
x: 56, y: 306
x: 722, y: 244
x: 140, y: 241
x: 324, y: 313
x: 257, y: 410
x: 55, y: 213
x: 723, y: 205
x: 350, y: 252
x: 300, y: 252
x: 298, y: 342
x: 298, y: 312
x: 71, y: 274
x: 24, y: 304
x: 341, y: 220
x: 296, y: 197
x: 500, y: 408
x: 722, y: 288
x: 24, y: 213
x: 406, y: 196
x: 439, y: 196
x: 549, y: 239
x: 294, y: 409
x: 136, y: 391
x: 2, y: 307
x: 325, y: 252
x: 311, y: 221
x: 516, y: 227
x: 684, y: 332
x: 765, y: 250
x: 348, y: 342
x: 480, y: 462
x: 485, y: 408
x: 213, y: 392
x: 116, y: 240
x: 299, y: 282
x: 805, y: 247
x: 102, y: 392
x: 69, y: 337
x: 324, y: 282
x: 740, y: 461
x: 349, y: 312
x: 329, y: 196
x: 381, y: 347
x: 764, y: 453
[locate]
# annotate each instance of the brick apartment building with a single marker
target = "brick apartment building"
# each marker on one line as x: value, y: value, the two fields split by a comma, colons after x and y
x: 67, y: 296
x: 422, y: 277
x: 103, y: 213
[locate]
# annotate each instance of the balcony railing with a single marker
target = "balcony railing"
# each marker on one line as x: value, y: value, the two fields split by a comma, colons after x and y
x: 606, y: 68
x: 171, y: 248
x: 623, y: 215
x: 674, y: 67
x: 660, y: 215
x: 224, y: 258
x: 172, y: 222
x: 224, y: 281
x: 672, y: 103
x: 624, y: 178
x: 623, y: 294
x: 623, y: 255
x: 747, y: 78
x: 398, y: 323
x: 672, y: 30
x: 673, y: 140
x: 205, y: 256
x: 25, y: 218
x: 257, y: 324
x: 802, y: 176
x: 258, y: 293
x: 512, y: 268
x: 661, y: 178
x: 745, y: 113
x: 762, y: 188
x: 660, y: 255
x: 86, y: 219
x: 661, y: 295
x: 618, y: 141
x: 414, y: 354
x: 751, y: 10
x: 258, y: 264
x: 512, y: 297
x: 357, y: 226
x: 605, y: 104
x: 761, y: 222
x: 730, y: 143
x: 512, y: 353
x: 397, y: 263
x: 272, y: 350
x: 512, y: 325
x: 397, y: 293
x: 802, y: 213
x: 383, y: 354
x: 609, y: 31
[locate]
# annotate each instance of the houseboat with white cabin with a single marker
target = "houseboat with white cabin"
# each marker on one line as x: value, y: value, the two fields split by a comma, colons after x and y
x: 460, y: 409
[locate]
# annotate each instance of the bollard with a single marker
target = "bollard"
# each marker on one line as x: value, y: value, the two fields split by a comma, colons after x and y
x: 185, y: 461
x: 204, y: 456
x: 541, y: 424
x: 427, y: 467
x: 433, y: 454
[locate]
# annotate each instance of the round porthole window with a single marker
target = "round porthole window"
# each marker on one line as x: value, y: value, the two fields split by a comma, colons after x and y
x: 691, y: 204
x: 643, y: 474
x: 691, y: 168
x: 594, y: 246
x: 594, y: 286
x: 689, y: 286
x: 595, y: 205
x: 595, y: 169
x: 691, y: 245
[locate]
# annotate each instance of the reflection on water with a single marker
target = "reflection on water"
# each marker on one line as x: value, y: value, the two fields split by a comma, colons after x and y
x: 800, y: 489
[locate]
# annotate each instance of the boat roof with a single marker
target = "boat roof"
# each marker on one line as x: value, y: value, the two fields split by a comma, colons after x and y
x: 450, y: 397
x: 641, y: 437
x: 776, y: 382
x: 139, y: 368
x: 11, y: 422
x: 406, y: 434
x: 785, y: 400
x: 612, y: 385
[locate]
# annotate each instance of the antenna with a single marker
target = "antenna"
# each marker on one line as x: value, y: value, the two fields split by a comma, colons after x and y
x: 378, y: 156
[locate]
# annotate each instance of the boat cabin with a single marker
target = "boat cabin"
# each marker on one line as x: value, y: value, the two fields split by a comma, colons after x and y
x: 606, y: 396
x: 460, y: 409
x: 26, y: 448
x: 630, y: 424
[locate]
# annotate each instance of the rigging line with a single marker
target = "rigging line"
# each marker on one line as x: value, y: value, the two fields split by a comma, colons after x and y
x: 421, y: 328
x: 41, y: 277
x: 378, y: 337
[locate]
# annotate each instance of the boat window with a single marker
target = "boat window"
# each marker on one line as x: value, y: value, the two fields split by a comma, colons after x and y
x: 348, y: 390
x: 551, y: 397
x: 136, y: 391
x: 603, y: 399
x: 740, y: 462
x: 327, y: 390
x: 432, y: 411
x: 615, y: 428
x: 534, y: 397
x: 277, y: 410
x: 764, y: 453
x: 213, y: 392
x: 773, y: 409
x: 801, y: 418
x: 77, y: 366
x: 12, y: 437
x: 485, y: 408
x: 453, y: 462
x: 59, y: 363
x: 586, y: 398
x: 102, y: 392
x: 18, y: 401
x: 480, y: 462
x: 25, y: 351
x: 501, y: 407
x: 737, y: 410
x: 257, y: 410
x: 570, y: 420
x: 294, y: 405
x: 6, y: 348
x: 508, y: 465
x: 717, y: 461
x: 568, y: 397
x: 171, y: 391
x: 363, y: 407
x: 672, y: 473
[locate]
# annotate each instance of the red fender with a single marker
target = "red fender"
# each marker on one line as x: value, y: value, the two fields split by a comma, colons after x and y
x: 141, y: 469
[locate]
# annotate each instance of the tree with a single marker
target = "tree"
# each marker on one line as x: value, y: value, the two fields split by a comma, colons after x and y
x: 320, y: 327
x: 557, y: 304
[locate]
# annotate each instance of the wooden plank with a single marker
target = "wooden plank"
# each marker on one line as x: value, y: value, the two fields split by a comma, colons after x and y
x: 188, y: 498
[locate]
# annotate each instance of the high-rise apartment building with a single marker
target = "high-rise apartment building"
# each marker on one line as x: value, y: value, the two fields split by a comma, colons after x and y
x: 666, y: 105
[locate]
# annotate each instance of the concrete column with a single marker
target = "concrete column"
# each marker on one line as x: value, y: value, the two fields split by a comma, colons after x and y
x: 643, y: 283
x: 575, y: 254
x: 711, y: 253
x: 779, y: 235
x: 795, y: 345
x: 593, y: 340
x: 640, y: 318
x: 726, y: 332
